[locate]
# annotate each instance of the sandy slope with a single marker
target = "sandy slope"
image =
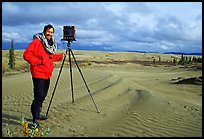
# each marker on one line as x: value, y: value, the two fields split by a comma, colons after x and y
x: 133, y: 101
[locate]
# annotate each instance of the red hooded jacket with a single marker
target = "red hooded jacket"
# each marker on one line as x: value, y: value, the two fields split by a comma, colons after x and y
x: 41, y: 62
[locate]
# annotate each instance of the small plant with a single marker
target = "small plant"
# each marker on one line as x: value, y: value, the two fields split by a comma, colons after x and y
x: 9, y: 133
x: 159, y: 58
x: 31, y: 130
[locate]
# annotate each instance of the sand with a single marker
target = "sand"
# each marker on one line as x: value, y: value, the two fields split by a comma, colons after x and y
x: 133, y: 100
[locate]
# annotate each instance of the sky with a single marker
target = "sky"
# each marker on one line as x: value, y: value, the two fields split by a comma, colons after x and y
x: 108, y: 26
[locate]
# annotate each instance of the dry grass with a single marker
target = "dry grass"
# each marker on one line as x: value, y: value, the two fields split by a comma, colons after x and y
x: 94, y: 58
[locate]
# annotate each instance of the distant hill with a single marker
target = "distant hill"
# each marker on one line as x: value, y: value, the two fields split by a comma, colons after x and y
x: 17, y: 46
x: 176, y: 53
x: 22, y: 46
x: 180, y: 53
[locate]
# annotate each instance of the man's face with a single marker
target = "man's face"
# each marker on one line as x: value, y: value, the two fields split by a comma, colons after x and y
x: 49, y: 33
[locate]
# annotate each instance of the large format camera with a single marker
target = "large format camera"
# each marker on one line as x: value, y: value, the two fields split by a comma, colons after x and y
x: 69, y: 33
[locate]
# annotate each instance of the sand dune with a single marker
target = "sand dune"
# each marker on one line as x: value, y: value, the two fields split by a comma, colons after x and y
x: 133, y: 101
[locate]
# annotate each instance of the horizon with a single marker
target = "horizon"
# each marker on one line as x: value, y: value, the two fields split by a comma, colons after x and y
x: 176, y: 53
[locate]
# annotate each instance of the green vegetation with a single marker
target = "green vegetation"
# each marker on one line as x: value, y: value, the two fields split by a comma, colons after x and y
x: 11, y: 56
x: 32, y: 130
x: 188, y: 59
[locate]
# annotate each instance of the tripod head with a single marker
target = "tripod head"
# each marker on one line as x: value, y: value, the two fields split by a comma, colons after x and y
x: 68, y: 42
x: 68, y: 39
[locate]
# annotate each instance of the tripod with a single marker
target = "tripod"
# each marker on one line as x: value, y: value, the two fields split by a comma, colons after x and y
x: 71, y: 53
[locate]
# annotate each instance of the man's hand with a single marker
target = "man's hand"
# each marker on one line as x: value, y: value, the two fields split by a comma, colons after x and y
x: 65, y: 54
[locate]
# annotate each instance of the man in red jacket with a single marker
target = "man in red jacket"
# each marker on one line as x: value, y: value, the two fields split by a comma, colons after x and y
x: 40, y: 55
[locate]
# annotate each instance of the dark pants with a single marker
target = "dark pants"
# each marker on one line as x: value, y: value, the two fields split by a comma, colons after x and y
x: 41, y: 87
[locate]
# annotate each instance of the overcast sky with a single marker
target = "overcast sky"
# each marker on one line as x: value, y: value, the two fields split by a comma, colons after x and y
x: 116, y: 26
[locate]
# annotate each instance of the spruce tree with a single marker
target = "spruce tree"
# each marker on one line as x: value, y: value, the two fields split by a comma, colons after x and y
x: 181, y: 60
x: 11, y: 56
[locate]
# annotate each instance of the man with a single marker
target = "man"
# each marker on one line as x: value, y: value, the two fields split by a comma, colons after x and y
x: 40, y: 55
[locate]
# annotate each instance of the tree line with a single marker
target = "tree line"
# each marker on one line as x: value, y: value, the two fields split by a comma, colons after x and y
x: 188, y: 59
x: 182, y: 61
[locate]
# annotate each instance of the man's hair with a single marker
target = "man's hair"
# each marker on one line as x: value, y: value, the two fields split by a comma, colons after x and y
x: 48, y: 27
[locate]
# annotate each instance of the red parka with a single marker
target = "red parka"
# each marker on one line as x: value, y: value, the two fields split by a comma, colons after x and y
x: 41, y: 62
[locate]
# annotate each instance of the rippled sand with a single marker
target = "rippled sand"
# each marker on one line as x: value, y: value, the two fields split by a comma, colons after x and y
x: 133, y: 100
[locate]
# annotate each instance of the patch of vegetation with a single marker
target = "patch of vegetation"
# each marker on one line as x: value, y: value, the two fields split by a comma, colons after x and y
x: 31, y: 130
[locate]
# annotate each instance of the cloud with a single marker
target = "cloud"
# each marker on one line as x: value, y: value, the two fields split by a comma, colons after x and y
x: 8, y: 36
x: 114, y: 26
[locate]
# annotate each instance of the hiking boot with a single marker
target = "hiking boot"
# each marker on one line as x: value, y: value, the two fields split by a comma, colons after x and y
x: 41, y: 117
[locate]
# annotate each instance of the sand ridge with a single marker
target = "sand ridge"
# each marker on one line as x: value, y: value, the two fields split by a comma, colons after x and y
x: 129, y: 105
x: 134, y: 100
